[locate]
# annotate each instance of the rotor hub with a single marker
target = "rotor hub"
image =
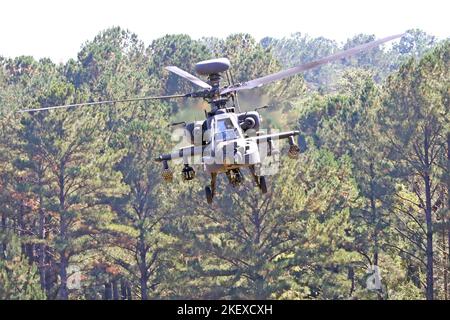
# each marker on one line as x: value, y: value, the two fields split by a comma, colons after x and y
x: 214, y: 79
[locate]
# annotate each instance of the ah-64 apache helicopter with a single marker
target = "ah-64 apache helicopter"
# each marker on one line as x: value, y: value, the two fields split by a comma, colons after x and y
x: 227, y: 141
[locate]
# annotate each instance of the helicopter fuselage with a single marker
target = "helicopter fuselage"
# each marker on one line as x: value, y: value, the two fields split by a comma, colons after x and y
x: 221, y: 142
x: 227, y: 147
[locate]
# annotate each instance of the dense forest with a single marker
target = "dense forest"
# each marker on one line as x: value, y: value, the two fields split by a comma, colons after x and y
x: 85, y: 213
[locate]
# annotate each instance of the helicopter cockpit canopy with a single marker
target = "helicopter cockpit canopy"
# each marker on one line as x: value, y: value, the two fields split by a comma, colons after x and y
x: 226, y: 128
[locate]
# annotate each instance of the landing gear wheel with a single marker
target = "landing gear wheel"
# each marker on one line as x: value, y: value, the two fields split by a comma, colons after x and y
x: 238, y: 178
x: 209, y: 195
x: 262, y: 184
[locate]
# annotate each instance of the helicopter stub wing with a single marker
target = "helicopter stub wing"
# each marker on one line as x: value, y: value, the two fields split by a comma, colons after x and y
x: 185, y: 153
x: 273, y: 136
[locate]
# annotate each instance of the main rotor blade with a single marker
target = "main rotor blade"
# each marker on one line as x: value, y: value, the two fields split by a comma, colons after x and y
x: 310, y: 65
x: 95, y: 103
x: 188, y: 76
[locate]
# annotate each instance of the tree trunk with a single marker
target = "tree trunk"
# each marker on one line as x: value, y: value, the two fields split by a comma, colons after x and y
x: 123, y: 289
x: 129, y: 296
x: 351, y: 277
x: 445, y: 263
x: 144, y: 288
x: 108, y: 291
x: 115, y: 290
x: 64, y: 261
x: 143, y: 266
x: 3, y: 245
x: 428, y: 218
x: 42, y: 267
x: 374, y: 213
x: 21, y: 227
x: 447, y: 219
x: 448, y: 263
x: 257, y: 224
x: 63, y: 290
x: 50, y: 277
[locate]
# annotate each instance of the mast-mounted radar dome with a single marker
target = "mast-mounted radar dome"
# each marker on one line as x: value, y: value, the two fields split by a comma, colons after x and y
x: 213, y: 66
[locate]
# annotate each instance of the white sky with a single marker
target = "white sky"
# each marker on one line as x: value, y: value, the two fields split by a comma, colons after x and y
x: 57, y: 29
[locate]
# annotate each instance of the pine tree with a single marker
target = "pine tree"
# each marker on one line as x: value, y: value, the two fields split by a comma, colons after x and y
x: 413, y: 120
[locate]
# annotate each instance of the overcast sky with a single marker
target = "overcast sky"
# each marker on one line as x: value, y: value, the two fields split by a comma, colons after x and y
x: 57, y: 29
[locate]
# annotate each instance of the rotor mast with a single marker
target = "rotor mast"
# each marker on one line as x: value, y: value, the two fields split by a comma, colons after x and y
x: 213, y: 69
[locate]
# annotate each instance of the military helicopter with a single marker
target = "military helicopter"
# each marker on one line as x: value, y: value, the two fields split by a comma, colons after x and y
x: 227, y: 141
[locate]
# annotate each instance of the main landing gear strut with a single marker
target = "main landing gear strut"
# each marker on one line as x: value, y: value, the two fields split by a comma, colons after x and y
x: 210, y: 191
x: 259, y: 180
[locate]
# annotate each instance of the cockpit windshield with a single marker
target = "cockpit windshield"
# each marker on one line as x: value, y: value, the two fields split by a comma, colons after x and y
x: 225, y: 130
